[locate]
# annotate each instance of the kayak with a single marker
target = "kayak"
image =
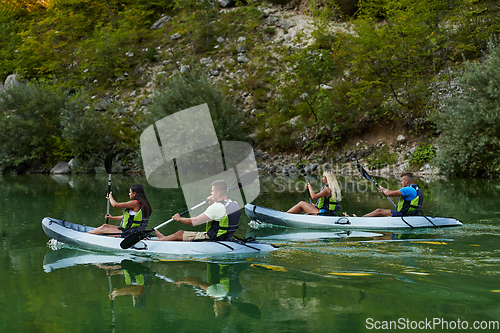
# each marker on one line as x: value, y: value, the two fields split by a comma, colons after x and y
x: 75, y: 235
x: 267, y: 215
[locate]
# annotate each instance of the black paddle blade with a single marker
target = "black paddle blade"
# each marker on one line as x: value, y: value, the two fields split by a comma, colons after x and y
x: 133, y: 239
x: 362, y: 171
x: 108, y: 161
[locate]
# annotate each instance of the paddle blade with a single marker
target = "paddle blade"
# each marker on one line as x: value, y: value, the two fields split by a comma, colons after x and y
x: 246, y: 179
x: 108, y: 161
x: 133, y: 239
x: 362, y: 171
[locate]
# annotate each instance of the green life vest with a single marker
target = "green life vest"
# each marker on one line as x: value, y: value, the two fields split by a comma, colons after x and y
x: 225, y: 228
x: 132, y: 279
x: 219, y: 274
x: 133, y: 221
x: 328, y: 204
x: 411, y: 207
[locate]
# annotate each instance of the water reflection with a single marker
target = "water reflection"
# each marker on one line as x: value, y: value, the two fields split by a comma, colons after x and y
x: 297, y: 235
x: 68, y: 257
x: 316, y: 286
x: 223, y: 285
x: 219, y: 281
x: 137, y: 279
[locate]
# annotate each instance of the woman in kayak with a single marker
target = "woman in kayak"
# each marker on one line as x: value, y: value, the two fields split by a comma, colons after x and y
x: 328, y: 197
x: 135, y: 216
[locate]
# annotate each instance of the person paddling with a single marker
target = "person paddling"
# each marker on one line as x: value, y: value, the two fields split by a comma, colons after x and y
x: 410, y: 199
x: 222, y: 218
x: 135, y: 216
x: 328, y: 197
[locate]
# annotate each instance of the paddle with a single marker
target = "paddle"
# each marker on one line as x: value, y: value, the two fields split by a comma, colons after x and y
x: 108, y: 163
x: 308, y: 193
x: 112, y: 308
x: 365, y: 174
x: 131, y: 240
x: 307, y: 189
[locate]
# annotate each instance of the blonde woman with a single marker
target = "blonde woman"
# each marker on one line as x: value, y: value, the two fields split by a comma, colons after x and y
x: 329, y: 198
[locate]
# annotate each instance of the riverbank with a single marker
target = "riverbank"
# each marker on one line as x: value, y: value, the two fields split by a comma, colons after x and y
x: 383, y: 158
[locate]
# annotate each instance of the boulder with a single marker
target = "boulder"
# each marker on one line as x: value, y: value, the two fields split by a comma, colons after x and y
x: 11, y: 80
x: 401, y: 139
x: 164, y: 19
x: 61, y: 168
x: 310, y: 168
x: 243, y: 59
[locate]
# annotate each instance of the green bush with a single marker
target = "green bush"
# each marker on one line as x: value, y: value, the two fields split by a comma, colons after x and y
x: 469, y: 123
x: 270, y: 30
x: 42, y: 124
x: 29, y: 119
x: 193, y: 88
x: 381, y: 158
x: 423, y: 154
x: 88, y: 133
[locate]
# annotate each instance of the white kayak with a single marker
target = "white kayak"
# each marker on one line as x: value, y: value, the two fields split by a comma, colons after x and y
x: 75, y: 235
x: 267, y: 215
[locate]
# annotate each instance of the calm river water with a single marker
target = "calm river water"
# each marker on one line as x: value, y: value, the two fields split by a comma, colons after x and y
x: 436, y: 279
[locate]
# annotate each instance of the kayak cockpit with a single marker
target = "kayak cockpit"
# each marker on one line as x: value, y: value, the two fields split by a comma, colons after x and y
x: 69, y: 225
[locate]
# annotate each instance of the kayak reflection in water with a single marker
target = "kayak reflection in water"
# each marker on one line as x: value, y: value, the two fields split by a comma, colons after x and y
x: 222, y: 216
x: 135, y: 216
x: 329, y: 198
x: 138, y: 280
x: 223, y: 286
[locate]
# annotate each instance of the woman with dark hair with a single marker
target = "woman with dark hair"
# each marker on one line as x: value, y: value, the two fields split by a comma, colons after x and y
x: 135, y: 216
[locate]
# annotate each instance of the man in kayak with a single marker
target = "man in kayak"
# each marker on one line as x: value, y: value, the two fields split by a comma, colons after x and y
x: 410, y: 199
x: 222, y: 218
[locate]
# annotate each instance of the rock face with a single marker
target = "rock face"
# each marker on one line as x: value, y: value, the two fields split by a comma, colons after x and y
x: 345, y: 162
x: 164, y: 19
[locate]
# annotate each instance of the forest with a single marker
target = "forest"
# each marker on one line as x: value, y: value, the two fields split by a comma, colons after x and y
x: 431, y: 65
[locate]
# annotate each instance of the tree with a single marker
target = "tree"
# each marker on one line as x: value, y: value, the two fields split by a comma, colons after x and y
x: 397, y: 48
x: 29, y: 119
x: 469, y: 122
x: 198, y: 16
x: 193, y: 88
x: 42, y: 124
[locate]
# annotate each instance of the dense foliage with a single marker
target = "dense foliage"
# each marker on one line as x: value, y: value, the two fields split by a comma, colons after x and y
x: 386, y: 65
x: 470, y: 121
x: 193, y: 88
x: 386, y: 62
x: 41, y: 126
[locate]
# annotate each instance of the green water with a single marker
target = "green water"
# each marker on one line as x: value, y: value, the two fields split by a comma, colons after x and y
x: 442, y: 278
